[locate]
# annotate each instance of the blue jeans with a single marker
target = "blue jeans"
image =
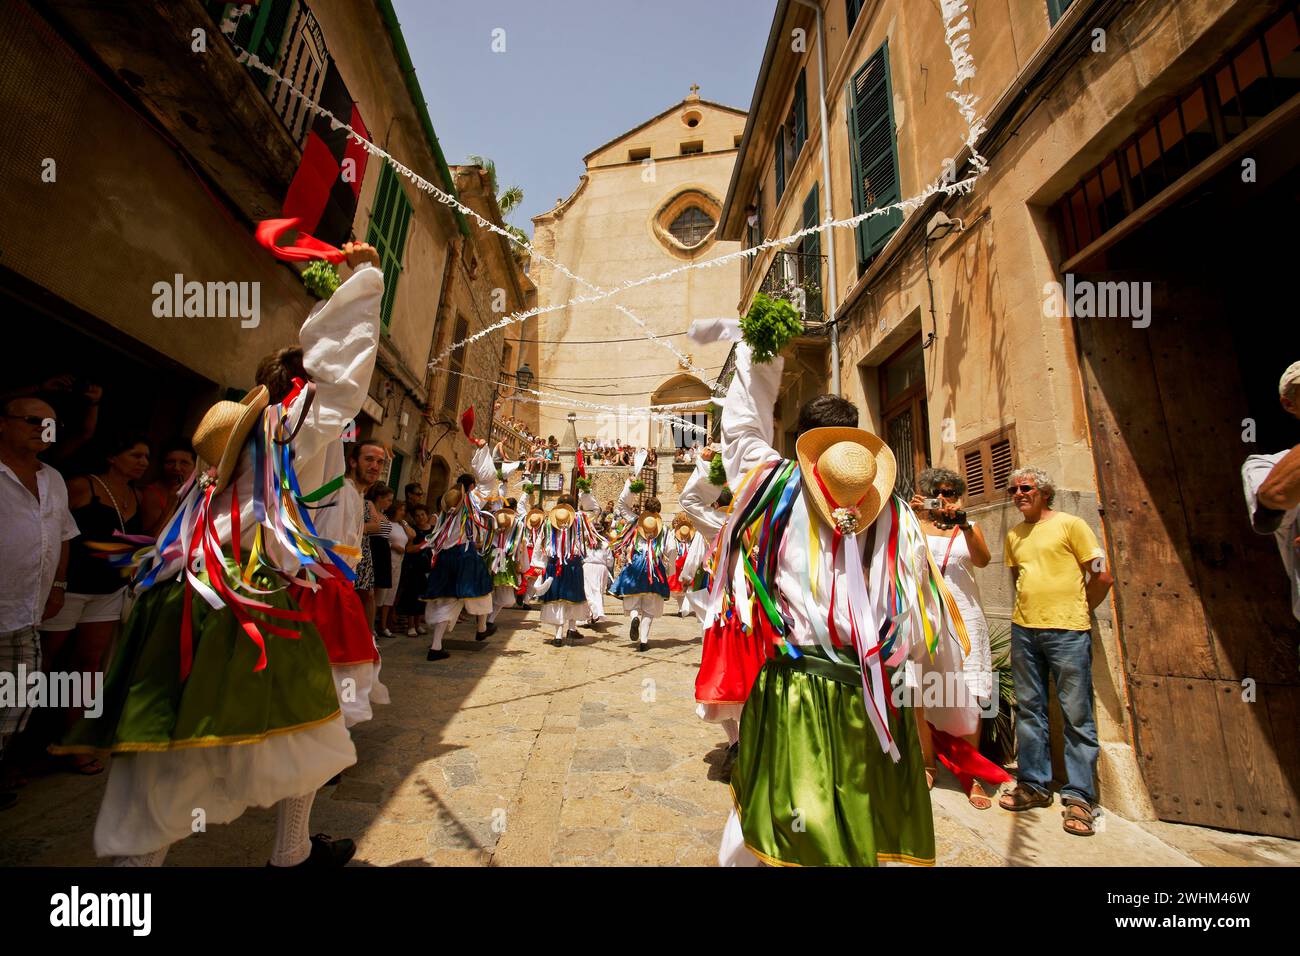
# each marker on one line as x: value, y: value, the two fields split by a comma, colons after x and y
x: 1068, y: 656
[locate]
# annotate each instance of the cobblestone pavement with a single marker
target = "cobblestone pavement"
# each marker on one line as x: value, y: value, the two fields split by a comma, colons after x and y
x: 515, y: 752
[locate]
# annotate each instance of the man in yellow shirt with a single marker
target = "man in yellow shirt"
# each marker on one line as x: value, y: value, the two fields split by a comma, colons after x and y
x: 1058, y: 570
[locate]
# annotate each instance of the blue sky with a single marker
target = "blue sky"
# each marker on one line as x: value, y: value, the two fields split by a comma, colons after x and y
x: 537, y: 109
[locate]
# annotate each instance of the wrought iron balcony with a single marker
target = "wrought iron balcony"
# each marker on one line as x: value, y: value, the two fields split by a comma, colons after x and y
x: 797, y: 278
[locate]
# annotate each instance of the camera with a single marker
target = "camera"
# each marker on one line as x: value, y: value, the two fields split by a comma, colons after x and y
x: 933, y: 504
x: 958, y: 518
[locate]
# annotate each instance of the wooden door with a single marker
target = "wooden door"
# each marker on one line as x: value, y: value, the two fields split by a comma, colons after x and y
x: 1208, y: 639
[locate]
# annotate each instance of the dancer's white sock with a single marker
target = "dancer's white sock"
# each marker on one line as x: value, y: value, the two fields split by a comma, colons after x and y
x: 292, y: 823
x: 559, y: 632
x: 732, y: 727
x: 492, y: 618
x: 439, y: 629
x: 644, y: 633
x: 144, y: 859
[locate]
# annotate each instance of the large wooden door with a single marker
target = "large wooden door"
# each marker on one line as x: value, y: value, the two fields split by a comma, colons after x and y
x: 1208, y: 638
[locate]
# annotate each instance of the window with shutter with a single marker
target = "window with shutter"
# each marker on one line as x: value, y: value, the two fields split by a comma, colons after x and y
x: 780, y: 163
x: 1056, y: 9
x: 875, y: 154
x: 456, y: 364
x: 810, y: 265
x: 986, y: 465
x: 390, y: 218
x: 854, y: 8
x: 800, y: 116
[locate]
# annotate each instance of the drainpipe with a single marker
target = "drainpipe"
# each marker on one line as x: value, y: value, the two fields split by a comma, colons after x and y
x: 832, y: 297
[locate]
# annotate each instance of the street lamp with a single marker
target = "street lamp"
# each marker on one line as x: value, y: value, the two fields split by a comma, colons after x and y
x: 524, y: 376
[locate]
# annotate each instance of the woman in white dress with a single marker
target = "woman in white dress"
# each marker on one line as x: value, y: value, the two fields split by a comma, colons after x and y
x: 958, y: 547
x: 398, y: 535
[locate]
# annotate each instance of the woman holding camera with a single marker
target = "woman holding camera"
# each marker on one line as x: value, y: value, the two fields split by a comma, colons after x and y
x: 958, y: 547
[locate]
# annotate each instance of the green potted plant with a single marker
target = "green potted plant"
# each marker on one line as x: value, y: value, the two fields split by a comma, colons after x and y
x: 769, y: 325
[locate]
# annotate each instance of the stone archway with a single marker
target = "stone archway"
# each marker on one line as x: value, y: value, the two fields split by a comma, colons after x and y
x: 674, y: 391
x: 439, y: 479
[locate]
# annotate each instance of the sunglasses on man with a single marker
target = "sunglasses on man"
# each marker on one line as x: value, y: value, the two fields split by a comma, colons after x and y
x: 36, y: 421
x: 1023, y: 489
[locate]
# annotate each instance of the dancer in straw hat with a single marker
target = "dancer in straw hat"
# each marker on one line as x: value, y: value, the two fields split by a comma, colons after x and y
x: 562, y: 546
x: 506, y: 556
x: 828, y: 771
x: 220, y: 695
x: 597, y: 571
x: 459, y: 578
x: 643, y: 582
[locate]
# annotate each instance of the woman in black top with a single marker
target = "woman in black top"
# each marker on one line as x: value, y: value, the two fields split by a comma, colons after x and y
x: 378, y: 499
x: 415, y: 572
x: 101, y: 504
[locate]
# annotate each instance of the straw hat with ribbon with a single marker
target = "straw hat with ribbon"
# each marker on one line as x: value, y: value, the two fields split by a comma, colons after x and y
x: 685, y: 531
x: 221, y: 435
x: 562, y: 516
x: 534, y: 518
x: 505, y: 520
x: 452, y: 497
x: 848, y: 475
x: 650, y: 525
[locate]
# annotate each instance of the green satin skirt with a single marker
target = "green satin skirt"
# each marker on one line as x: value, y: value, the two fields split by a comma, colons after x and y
x: 811, y: 784
x: 224, y: 701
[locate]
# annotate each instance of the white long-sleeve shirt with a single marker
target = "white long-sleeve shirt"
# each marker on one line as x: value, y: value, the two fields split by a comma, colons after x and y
x: 698, y: 498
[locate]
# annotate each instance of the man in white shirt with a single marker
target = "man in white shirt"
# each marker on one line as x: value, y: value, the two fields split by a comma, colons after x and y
x: 33, y: 549
x: 1272, y: 485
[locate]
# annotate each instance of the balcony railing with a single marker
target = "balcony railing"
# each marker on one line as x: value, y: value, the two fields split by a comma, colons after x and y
x: 797, y: 278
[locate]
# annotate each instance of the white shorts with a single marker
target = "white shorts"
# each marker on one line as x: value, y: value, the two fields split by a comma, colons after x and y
x: 86, y: 609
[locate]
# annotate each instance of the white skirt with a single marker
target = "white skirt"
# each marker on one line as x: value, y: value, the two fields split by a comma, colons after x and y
x: 697, y: 602
x: 718, y: 713
x: 503, y: 595
x: 448, y: 609
x: 651, y: 605
x: 358, y: 687
x: 733, y: 851
x: 595, y: 579
x: 563, y: 612
x: 153, y: 798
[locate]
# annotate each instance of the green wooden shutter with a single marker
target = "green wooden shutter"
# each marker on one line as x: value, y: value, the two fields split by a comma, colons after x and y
x: 811, y: 266
x: 800, y: 114
x: 875, y: 153
x: 780, y: 165
x: 390, y: 218
x: 1056, y: 9
x: 854, y: 7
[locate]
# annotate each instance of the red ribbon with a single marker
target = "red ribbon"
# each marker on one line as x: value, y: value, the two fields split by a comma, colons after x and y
x: 305, y: 247
x: 965, y: 762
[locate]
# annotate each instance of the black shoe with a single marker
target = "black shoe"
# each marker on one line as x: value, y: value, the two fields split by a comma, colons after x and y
x: 643, y: 646
x: 558, y: 642
x: 333, y: 781
x: 521, y: 606
x: 325, y: 852
x: 437, y: 655
x: 573, y: 635
x: 485, y: 634
x: 636, y: 628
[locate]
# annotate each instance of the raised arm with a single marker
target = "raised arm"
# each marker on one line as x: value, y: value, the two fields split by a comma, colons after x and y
x: 699, y: 495
x: 747, y: 414
x: 339, y: 345
x: 485, y: 475
x: 623, y: 507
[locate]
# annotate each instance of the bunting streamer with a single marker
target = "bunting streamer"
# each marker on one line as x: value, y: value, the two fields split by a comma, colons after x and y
x: 957, y: 37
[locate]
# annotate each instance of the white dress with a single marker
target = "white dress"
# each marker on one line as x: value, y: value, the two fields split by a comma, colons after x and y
x: 959, y: 710
x: 397, y: 538
x: 597, y: 568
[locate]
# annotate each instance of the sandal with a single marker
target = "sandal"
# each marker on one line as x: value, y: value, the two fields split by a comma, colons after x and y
x: 977, y: 797
x: 930, y: 774
x: 1022, y: 798
x: 1080, y: 816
